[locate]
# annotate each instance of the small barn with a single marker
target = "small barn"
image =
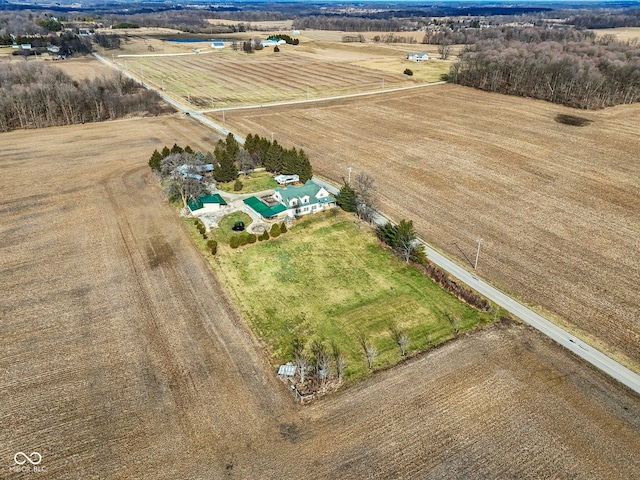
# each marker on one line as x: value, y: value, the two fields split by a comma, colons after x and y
x: 417, y: 56
x: 207, y: 204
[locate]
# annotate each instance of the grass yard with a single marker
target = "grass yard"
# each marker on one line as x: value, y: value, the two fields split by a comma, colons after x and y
x: 255, y: 182
x: 329, y: 279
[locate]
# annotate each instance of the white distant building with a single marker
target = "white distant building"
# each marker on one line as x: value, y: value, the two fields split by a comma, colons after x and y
x: 218, y: 45
x: 417, y: 56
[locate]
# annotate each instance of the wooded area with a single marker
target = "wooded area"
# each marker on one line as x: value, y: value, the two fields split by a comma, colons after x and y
x: 588, y: 74
x: 35, y: 95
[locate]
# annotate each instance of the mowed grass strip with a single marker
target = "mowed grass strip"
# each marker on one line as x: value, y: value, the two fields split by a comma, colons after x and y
x: 254, y: 182
x: 328, y: 278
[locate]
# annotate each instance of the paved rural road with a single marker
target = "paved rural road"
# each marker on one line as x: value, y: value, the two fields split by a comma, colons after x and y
x: 561, y: 336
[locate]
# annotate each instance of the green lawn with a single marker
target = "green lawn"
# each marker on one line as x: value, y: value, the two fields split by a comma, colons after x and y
x: 255, y: 182
x: 329, y: 279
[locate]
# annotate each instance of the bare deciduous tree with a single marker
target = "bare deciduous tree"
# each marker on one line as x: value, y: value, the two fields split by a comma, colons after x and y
x: 366, y: 197
x: 245, y: 161
x: 370, y: 351
x: 444, y: 49
x: 339, y: 360
x: 401, y: 339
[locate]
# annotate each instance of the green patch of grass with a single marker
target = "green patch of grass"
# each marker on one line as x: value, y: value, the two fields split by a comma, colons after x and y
x: 223, y: 233
x: 254, y: 182
x: 330, y: 279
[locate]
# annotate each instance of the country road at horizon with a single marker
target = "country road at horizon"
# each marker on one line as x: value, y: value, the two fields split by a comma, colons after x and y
x: 585, y: 351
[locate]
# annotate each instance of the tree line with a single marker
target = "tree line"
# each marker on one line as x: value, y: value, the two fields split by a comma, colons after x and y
x: 278, y: 159
x: 35, y: 95
x: 229, y: 158
x: 587, y: 74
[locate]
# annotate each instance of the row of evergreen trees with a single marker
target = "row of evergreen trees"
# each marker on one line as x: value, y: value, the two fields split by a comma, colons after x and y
x: 228, y: 155
x: 277, y: 159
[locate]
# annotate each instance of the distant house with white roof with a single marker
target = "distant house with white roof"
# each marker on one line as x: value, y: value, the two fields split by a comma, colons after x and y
x: 417, y: 56
x: 217, y: 44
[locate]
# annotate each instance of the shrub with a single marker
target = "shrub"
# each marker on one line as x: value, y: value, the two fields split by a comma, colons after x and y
x: 283, y: 228
x: 244, y: 239
x: 408, y: 71
x: 275, y: 230
x: 237, y: 186
x: 212, y: 246
x: 265, y: 235
x: 252, y: 238
x: 276, y: 49
x: 234, y: 241
x: 573, y: 120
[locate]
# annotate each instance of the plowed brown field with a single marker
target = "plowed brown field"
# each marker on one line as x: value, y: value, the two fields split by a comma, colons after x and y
x: 558, y: 206
x: 122, y: 356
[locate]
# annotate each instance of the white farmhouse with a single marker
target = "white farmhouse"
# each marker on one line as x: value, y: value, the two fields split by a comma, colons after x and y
x: 417, y: 56
x: 309, y: 198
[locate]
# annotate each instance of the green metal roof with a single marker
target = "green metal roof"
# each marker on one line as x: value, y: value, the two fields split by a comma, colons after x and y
x: 199, y: 203
x: 309, y: 189
x: 262, y: 208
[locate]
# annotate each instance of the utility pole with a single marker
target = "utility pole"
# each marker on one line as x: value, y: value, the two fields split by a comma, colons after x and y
x: 271, y: 137
x: 349, y: 170
x: 479, y: 240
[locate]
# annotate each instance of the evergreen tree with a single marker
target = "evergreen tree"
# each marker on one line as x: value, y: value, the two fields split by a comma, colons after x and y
x: 275, y: 230
x: 176, y: 149
x: 232, y: 145
x: 188, y: 149
x: 304, y: 169
x: 154, y: 161
x: 273, y: 159
x: 224, y: 153
x: 346, y: 199
x: 289, y: 162
x: 165, y: 152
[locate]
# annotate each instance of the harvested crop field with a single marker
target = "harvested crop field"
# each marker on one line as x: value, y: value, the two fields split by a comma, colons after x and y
x: 228, y: 78
x: 558, y: 206
x: 123, y: 356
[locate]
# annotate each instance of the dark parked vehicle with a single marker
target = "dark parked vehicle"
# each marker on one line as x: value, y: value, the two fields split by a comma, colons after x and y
x: 238, y: 227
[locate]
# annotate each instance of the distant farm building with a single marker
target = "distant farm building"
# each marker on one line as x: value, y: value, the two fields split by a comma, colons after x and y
x: 206, y: 204
x: 417, y: 56
x: 217, y: 45
x: 272, y: 42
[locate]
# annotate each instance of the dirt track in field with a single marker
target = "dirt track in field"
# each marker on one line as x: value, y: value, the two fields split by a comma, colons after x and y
x: 558, y: 206
x: 123, y: 357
